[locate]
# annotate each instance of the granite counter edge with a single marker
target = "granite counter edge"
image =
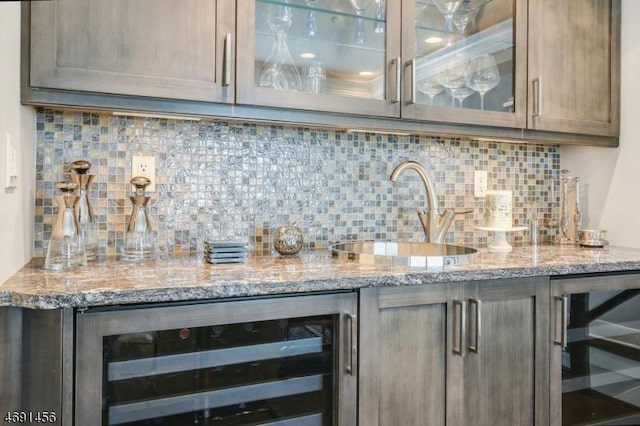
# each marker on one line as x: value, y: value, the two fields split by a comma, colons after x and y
x: 207, y: 291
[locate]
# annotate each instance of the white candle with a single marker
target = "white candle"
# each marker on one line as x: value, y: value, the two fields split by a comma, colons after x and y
x: 498, y: 209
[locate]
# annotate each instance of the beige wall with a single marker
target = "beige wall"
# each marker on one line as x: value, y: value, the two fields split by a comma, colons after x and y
x: 611, y: 177
x: 16, y: 206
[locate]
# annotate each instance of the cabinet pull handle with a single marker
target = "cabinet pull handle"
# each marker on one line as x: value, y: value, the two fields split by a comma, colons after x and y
x: 474, y: 324
x: 560, y: 338
x: 395, y: 71
x: 537, y: 96
x: 226, y: 61
x: 459, y: 327
x: 411, y: 97
x: 351, y: 365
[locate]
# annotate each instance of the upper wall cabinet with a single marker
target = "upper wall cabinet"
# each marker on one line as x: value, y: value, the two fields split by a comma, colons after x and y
x: 330, y: 55
x: 574, y: 66
x: 428, y: 60
x: 534, y: 70
x: 465, y: 61
x: 176, y: 49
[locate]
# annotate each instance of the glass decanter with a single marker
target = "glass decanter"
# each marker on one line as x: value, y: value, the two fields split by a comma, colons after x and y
x: 66, y: 247
x: 83, y: 209
x: 140, y: 239
x: 279, y: 71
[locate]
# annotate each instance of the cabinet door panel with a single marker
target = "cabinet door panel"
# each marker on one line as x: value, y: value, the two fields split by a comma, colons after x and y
x: 408, y: 375
x: 574, y: 66
x: 156, y: 48
x: 419, y: 365
x: 499, y: 380
x: 465, y: 62
x: 504, y: 379
x: 335, y: 56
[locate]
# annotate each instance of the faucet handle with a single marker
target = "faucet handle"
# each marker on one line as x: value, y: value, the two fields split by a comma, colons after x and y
x: 464, y: 211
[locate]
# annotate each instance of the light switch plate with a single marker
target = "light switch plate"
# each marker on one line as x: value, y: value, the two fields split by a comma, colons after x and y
x: 11, y: 163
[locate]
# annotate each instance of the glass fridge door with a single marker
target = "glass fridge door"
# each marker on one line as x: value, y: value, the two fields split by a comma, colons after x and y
x: 601, y: 358
x: 279, y: 369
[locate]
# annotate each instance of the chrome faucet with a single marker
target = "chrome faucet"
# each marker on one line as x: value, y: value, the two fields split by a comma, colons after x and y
x: 436, y: 223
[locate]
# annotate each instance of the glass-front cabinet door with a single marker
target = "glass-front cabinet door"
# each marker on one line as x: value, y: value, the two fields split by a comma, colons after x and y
x: 595, y: 364
x: 322, y: 55
x: 464, y: 61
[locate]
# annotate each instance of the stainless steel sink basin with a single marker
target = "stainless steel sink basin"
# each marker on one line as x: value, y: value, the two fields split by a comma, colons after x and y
x: 414, y: 254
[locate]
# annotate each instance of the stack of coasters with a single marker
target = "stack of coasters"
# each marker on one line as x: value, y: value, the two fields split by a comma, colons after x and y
x: 225, y: 252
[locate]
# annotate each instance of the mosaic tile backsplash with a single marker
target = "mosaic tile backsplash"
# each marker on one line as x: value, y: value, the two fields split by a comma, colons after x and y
x: 238, y: 181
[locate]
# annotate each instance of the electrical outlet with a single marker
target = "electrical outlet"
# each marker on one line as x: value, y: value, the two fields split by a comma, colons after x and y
x: 142, y: 165
x: 480, y: 184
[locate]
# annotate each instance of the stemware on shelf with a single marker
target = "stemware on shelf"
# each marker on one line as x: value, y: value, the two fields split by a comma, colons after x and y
x: 359, y: 7
x: 461, y: 93
x: 484, y: 75
x: 455, y: 76
x: 381, y: 16
x: 430, y: 87
x: 311, y: 28
x: 463, y: 15
x: 447, y: 7
x: 285, y: 11
x: 360, y: 33
x: 279, y: 70
x: 315, y: 78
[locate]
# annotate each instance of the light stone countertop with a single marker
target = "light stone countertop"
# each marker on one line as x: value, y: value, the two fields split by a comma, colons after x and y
x: 189, y: 277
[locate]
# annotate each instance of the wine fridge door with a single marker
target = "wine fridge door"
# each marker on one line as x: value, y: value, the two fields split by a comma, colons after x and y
x: 597, y: 351
x: 275, y: 361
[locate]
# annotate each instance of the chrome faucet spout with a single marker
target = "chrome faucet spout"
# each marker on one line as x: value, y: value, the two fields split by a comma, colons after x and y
x: 435, y: 223
x: 422, y: 172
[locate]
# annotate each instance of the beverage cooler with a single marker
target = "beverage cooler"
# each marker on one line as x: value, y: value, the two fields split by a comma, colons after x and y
x: 266, y: 361
x: 596, y: 358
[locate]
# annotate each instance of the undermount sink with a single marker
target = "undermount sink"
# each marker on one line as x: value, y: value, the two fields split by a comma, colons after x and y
x: 413, y: 254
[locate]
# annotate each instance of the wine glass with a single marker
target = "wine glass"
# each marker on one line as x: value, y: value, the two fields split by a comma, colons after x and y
x: 430, y: 87
x: 447, y: 7
x: 461, y: 93
x: 285, y: 11
x: 359, y: 7
x: 465, y: 13
x: 381, y: 16
x: 312, y: 26
x: 484, y: 75
x: 455, y: 76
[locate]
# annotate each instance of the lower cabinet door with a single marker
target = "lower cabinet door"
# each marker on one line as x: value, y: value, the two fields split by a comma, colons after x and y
x: 408, y: 374
x: 595, y: 365
x: 455, y: 354
x: 506, y: 362
x: 276, y: 361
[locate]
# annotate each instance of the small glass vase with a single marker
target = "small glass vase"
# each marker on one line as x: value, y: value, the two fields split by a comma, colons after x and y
x: 140, y: 239
x: 279, y: 71
x: 83, y: 209
x: 66, y: 246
